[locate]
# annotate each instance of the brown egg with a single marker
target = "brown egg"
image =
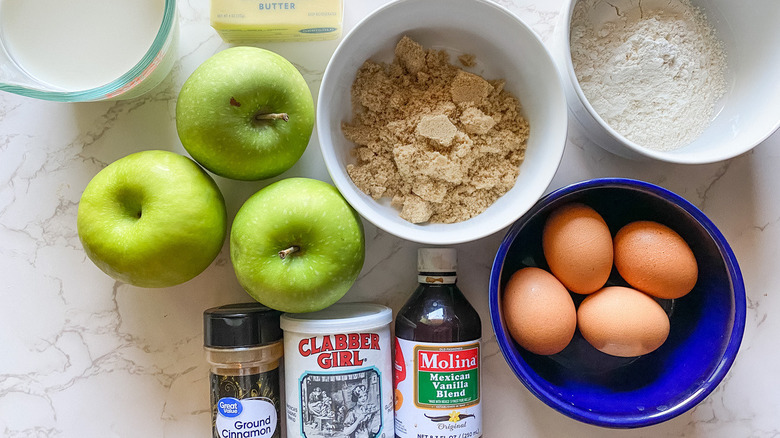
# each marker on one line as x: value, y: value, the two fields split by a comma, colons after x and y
x: 654, y: 259
x: 538, y: 311
x: 621, y: 321
x: 577, y: 245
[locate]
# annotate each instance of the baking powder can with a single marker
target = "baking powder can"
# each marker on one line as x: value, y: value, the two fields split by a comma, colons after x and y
x: 338, y: 372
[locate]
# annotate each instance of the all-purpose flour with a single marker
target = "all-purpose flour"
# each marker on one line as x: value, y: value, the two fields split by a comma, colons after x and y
x: 654, y: 76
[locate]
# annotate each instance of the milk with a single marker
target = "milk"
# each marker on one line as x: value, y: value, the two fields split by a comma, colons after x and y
x: 79, y: 44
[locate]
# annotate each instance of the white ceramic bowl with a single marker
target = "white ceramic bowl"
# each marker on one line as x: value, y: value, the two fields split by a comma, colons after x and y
x: 504, y: 48
x: 746, y: 115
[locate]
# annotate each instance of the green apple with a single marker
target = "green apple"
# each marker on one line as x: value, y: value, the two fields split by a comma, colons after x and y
x: 152, y: 219
x: 297, y: 245
x: 246, y: 113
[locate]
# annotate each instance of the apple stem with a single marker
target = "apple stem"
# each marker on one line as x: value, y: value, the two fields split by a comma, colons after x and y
x: 283, y: 254
x: 272, y: 116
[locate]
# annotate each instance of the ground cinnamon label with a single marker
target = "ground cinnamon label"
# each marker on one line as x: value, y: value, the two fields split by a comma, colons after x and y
x: 442, y: 143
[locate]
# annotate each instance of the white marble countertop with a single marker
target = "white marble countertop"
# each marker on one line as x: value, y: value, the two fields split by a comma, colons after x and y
x: 83, y: 355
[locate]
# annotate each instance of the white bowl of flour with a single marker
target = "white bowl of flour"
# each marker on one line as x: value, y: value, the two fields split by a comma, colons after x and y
x: 681, y: 81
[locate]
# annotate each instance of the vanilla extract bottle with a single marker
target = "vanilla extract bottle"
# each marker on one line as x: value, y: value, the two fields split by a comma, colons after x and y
x: 437, y: 355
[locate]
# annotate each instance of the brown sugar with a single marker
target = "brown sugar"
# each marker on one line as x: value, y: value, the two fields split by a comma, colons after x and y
x: 467, y: 60
x: 469, y: 88
x: 442, y: 143
x: 437, y: 128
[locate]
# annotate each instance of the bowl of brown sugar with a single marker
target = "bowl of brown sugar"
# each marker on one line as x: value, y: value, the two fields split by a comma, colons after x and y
x: 441, y: 121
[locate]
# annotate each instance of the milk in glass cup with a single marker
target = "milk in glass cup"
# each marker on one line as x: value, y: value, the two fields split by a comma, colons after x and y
x: 86, y: 50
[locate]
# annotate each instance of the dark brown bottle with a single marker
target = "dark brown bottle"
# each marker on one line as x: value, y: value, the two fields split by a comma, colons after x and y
x: 437, y: 354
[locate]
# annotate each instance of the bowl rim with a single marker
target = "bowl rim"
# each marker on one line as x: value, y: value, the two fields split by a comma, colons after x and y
x: 164, y: 38
x: 665, y: 156
x: 419, y: 234
x: 706, y: 386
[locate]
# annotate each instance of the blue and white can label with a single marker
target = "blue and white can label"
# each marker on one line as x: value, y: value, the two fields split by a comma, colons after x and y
x: 246, y: 406
x: 250, y: 417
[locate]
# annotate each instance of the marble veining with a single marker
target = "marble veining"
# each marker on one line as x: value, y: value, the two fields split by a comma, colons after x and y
x: 83, y: 355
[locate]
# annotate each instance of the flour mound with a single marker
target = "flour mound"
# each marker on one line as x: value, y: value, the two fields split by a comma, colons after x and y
x: 655, y: 78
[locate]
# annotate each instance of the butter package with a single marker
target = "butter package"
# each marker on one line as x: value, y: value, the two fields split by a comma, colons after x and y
x: 250, y: 21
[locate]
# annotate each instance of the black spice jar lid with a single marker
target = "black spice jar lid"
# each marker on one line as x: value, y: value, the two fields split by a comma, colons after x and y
x: 241, y: 325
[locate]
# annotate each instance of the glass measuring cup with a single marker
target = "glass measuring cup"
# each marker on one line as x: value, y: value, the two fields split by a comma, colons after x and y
x: 144, y: 75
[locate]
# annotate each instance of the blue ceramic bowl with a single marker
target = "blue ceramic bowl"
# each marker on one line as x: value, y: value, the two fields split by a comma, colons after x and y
x: 706, y: 325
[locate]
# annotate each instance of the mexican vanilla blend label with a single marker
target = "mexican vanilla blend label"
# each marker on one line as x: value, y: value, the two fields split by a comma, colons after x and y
x: 437, y: 390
